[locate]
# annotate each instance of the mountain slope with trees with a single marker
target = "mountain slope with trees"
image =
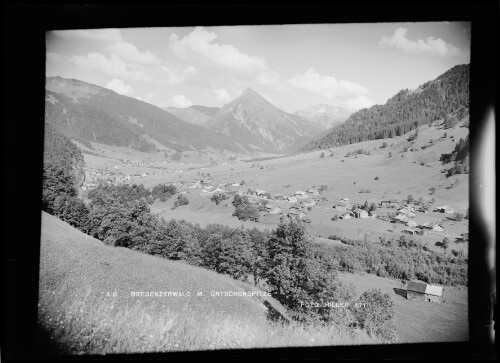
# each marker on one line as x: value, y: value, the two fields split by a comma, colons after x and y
x: 89, y: 113
x: 446, y: 97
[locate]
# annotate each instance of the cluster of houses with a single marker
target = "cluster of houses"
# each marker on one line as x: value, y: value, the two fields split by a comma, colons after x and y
x: 404, y: 215
x: 352, y: 210
x: 254, y: 195
x: 300, y: 199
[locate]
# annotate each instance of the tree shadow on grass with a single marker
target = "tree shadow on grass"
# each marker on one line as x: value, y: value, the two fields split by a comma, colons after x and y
x: 400, y: 292
x: 274, y: 315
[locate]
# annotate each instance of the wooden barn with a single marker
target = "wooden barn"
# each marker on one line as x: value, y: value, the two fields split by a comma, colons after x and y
x: 423, y: 291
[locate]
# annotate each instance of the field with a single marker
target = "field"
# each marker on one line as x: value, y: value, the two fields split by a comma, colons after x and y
x: 398, y: 176
x: 86, y: 304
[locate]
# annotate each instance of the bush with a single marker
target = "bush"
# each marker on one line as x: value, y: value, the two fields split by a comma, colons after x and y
x: 445, y: 243
x: 239, y: 200
x: 217, y: 198
x: 458, y: 216
x: 377, y: 178
x: 335, y: 217
x: 247, y: 212
x: 376, y: 314
x: 322, y: 155
x: 384, y: 145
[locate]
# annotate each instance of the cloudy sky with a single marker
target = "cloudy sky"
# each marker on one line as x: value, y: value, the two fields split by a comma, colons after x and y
x: 293, y: 66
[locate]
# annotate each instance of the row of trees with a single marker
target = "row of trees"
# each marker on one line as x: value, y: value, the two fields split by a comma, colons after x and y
x: 404, y: 258
x: 134, y: 192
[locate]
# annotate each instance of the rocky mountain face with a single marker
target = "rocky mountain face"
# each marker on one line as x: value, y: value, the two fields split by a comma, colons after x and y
x: 327, y: 116
x: 195, y: 114
x: 252, y: 120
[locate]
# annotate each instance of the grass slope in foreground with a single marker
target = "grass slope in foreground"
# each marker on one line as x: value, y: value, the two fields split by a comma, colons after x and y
x: 77, y: 272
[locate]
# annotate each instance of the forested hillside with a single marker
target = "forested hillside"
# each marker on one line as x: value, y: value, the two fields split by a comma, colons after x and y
x: 60, y: 152
x: 85, y: 123
x: 90, y: 113
x: 445, y: 97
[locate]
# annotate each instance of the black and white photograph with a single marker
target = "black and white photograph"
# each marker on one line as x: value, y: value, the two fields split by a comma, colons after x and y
x: 256, y: 186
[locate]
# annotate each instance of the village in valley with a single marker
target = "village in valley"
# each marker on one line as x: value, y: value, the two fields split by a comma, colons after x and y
x: 331, y: 202
x: 263, y: 201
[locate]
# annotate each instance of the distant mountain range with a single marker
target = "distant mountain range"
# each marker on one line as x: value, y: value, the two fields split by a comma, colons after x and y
x: 249, y: 124
x: 252, y: 120
x: 89, y: 113
x: 404, y: 112
x: 327, y: 116
x: 194, y: 114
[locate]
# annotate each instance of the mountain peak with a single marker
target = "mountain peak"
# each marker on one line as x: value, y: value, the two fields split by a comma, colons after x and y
x: 249, y: 91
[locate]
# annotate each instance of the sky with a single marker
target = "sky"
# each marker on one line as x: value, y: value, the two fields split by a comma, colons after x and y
x: 293, y: 66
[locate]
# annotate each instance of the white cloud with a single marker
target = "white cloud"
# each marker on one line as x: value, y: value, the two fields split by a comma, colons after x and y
x: 177, y: 76
x: 113, y: 66
x: 180, y: 101
x: 347, y: 94
x: 325, y: 85
x: 129, y: 52
x: 222, y: 96
x: 430, y: 46
x: 119, y: 86
x: 357, y: 103
x: 113, y: 35
x: 199, y: 46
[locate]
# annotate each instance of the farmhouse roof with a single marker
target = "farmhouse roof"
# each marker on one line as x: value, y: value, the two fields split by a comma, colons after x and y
x: 434, y: 290
x: 417, y: 286
x: 358, y: 210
